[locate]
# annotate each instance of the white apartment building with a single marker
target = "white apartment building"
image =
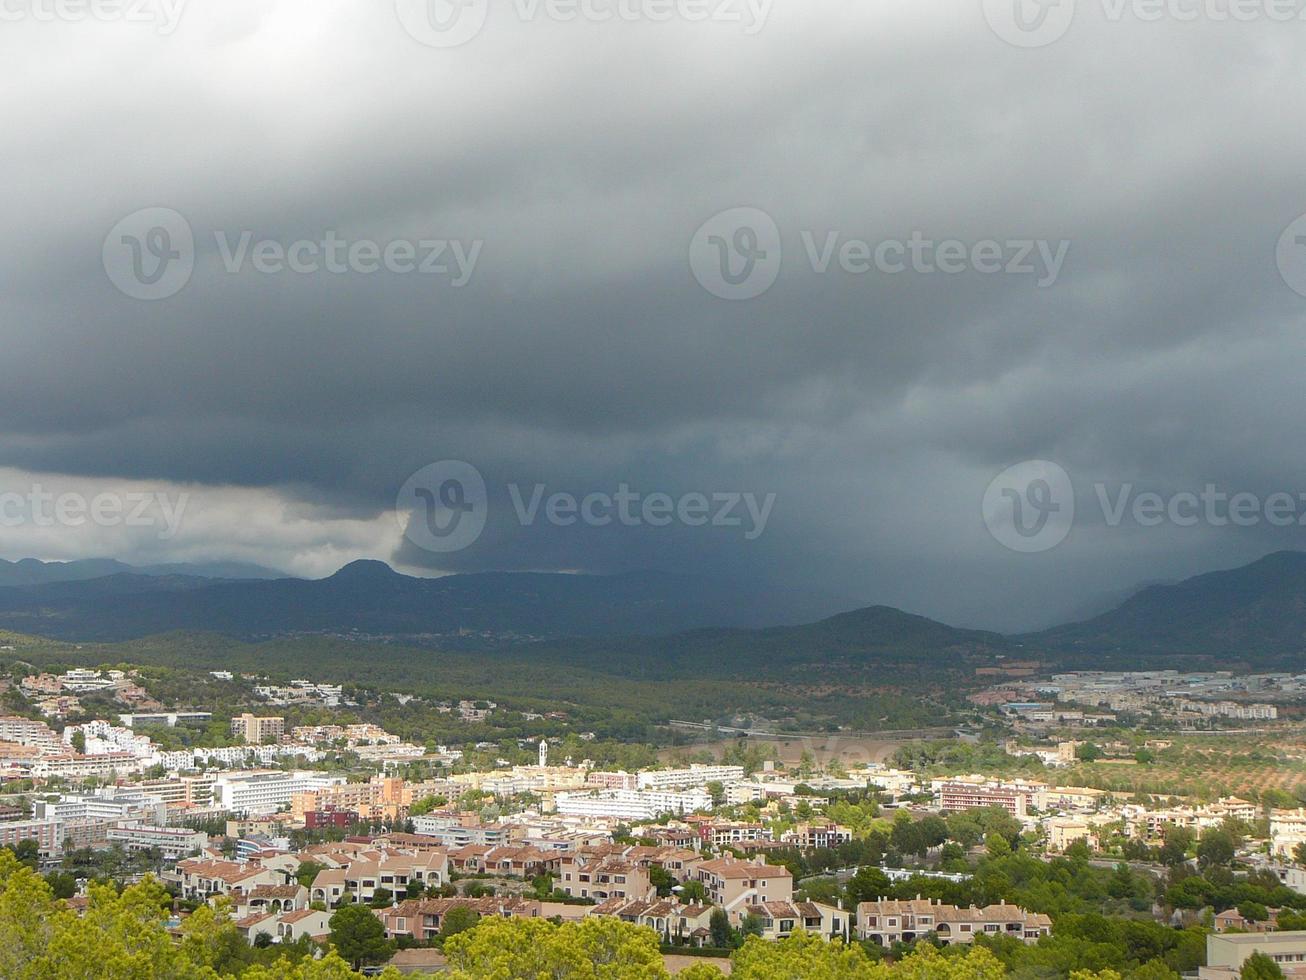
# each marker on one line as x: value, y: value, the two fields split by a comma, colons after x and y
x: 625, y: 804
x: 266, y: 791
x: 174, y: 842
x: 76, y: 766
x: 111, y: 803
x: 451, y: 833
x: 1287, y: 830
x: 24, y: 731
x: 664, y: 779
x: 101, y: 738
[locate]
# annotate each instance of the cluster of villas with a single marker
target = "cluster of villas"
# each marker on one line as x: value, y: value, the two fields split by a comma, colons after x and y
x: 267, y: 897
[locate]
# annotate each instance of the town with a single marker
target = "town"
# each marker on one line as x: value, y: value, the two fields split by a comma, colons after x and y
x: 283, y: 824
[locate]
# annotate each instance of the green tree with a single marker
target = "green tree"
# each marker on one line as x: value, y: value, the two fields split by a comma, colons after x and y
x: 1258, y: 966
x: 693, y: 892
x: 722, y: 934
x: 799, y: 956
x: 307, y: 871
x: 457, y: 919
x: 1174, y: 850
x: 594, y: 948
x: 1253, y: 911
x: 868, y: 885
x: 28, y: 852
x: 1152, y: 970
x: 997, y: 846
x: 358, y: 936
x: 1216, y: 847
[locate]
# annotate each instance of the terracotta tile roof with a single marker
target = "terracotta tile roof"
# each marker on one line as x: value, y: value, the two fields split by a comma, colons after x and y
x: 292, y: 917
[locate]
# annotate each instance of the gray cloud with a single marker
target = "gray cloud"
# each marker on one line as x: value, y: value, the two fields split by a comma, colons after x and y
x: 583, y: 354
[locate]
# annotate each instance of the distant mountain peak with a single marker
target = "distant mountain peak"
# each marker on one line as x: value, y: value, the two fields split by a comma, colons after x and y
x: 1254, y: 612
x: 366, y: 570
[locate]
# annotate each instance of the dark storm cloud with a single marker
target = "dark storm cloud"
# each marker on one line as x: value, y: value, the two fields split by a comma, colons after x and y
x: 582, y: 354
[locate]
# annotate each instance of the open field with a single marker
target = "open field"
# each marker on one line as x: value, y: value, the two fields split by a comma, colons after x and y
x: 1209, y: 767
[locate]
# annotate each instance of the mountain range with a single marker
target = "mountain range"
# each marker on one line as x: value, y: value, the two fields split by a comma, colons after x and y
x: 371, y: 599
x: 1254, y: 615
x: 30, y: 571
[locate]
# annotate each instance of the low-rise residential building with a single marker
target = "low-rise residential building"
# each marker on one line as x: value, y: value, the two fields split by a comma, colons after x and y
x: 603, y: 877
x: 421, y: 919
x: 1064, y: 831
x: 732, y: 883
x: 1231, y: 920
x: 201, y: 879
x: 890, y: 921
x: 779, y: 920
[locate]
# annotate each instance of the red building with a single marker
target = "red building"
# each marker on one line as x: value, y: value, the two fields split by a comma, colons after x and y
x: 316, y: 819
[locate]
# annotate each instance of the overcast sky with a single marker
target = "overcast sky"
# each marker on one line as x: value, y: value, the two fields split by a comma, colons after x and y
x: 1130, y: 313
